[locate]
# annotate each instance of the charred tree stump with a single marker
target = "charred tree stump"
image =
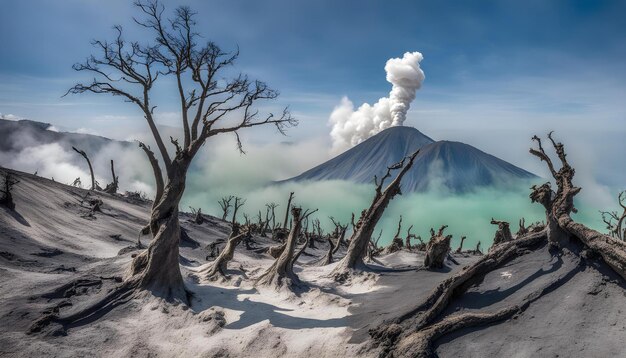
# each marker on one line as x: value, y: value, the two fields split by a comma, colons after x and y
x: 460, y: 248
x: 281, y: 273
x: 84, y: 155
x: 360, y: 240
x: 437, y: 249
x: 217, y: 268
x: 198, y: 218
x: 328, y: 258
x: 112, y: 187
x: 523, y: 230
x: 503, y: 234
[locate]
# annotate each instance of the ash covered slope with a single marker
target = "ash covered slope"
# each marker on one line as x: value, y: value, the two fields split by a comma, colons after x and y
x: 17, y: 135
x: 456, y: 166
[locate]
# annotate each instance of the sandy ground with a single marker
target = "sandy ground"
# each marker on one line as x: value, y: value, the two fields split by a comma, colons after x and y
x: 47, y: 242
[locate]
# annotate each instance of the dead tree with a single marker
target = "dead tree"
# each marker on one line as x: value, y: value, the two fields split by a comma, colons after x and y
x: 559, y: 206
x: 373, y: 249
x: 397, y: 243
x: 239, y: 202
x: 287, y: 211
x: 207, y: 96
x: 503, y: 234
x: 112, y: 187
x: 478, y: 250
x: 460, y: 248
x: 614, y: 221
x: 225, y: 204
x: 361, y: 237
x: 437, y: 249
x: 523, y: 230
x: 328, y: 258
x: 281, y: 272
x: 339, y: 233
x: 197, y: 215
x: 217, y: 268
x: 409, y: 236
x: 93, y: 179
x: 6, y: 199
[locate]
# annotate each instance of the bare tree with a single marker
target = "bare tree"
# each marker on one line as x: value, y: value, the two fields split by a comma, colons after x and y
x: 225, y: 204
x: 409, y: 236
x: 460, y: 248
x: 112, y: 187
x: 287, y: 211
x: 369, y: 218
x: 397, y: 243
x: 93, y: 179
x: 210, y: 104
x: 281, y: 272
x: 523, y: 230
x: 239, y: 202
x: 614, y: 221
x: 339, y: 233
x: 437, y: 249
x: 6, y: 198
x: 559, y: 206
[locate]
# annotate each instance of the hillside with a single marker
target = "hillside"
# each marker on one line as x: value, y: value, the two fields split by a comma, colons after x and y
x: 48, y: 242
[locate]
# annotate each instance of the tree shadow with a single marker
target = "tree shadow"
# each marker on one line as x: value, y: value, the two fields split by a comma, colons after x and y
x: 17, y: 216
x: 476, y: 300
x: 255, y: 312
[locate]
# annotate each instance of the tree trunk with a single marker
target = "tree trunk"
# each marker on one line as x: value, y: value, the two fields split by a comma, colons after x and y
x: 281, y: 272
x: 157, y: 269
x: 437, y: 249
x: 93, y: 179
x: 287, y: 211
x: 460, y: 248
x: 113, y: 186
x: 217, y: 269
x: 503, y: 234
x: 360, y: 239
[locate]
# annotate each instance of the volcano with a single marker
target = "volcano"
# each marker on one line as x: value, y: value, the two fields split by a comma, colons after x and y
x: 440, y: 165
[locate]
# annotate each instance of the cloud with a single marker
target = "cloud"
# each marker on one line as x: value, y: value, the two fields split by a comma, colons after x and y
x: 350, y: 127
x: 10, y: 117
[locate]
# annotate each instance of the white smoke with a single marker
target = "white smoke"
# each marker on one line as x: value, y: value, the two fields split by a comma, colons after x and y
x: 351, y: 127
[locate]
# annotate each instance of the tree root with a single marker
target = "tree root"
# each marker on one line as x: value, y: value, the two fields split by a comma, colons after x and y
x: 426, y: 312
x: 412, y: 342
x: 119, y: 295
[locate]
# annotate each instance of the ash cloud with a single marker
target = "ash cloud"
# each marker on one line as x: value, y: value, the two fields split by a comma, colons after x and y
x: 351, y: 126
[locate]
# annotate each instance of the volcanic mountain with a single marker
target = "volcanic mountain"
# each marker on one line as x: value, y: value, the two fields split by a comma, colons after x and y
x: 452, y: 166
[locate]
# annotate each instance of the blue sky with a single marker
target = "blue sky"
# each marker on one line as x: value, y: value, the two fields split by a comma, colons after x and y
x: 496, y: 71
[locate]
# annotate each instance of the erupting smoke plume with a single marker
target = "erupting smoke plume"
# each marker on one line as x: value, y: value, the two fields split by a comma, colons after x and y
x: 351, y: 127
